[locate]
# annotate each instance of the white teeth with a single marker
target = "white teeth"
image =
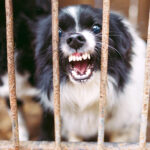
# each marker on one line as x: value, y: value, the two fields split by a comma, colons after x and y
x: 89, y: 57
x: 81, y: 77
x: 74, y: 58
x: 70, y: 58
x: 84, y: 56
x: 79, y: 58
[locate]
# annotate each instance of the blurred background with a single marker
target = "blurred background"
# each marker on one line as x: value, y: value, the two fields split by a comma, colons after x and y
x: 135, y: 10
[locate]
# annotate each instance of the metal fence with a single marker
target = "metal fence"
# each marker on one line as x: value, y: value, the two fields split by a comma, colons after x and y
x: 57, y: 145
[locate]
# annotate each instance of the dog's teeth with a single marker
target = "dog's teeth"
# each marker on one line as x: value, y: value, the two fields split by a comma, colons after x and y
x: 80, y: 58
x: 88, y: 72
x: 70, y: 58
x: 89, y: 57
x: 74, y: 73
x: 73, y: 58
x: 84, y: 56
x: 77, y: 58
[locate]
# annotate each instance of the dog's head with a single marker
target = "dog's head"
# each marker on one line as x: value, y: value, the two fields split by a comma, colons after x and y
x: 80, y: 35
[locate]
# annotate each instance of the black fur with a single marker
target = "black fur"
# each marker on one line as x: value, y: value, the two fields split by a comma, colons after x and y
x: 47, y: 127
x: 24, y: 13
x: 36, y: 23
x: 120, y: 43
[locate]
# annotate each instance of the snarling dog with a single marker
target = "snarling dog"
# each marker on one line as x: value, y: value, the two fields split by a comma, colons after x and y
x: 80, y: 40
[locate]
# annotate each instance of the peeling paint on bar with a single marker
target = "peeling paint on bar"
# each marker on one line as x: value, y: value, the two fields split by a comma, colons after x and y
x: 56, y: 84
x: 103, y: 78
x: 144, y: 115
x: 11, y: 72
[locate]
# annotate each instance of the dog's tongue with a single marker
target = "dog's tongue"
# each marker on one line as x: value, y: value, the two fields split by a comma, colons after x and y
x: 80, y: 66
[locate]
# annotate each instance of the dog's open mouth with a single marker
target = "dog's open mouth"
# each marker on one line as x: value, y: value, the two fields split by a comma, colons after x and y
x: 81, y: 66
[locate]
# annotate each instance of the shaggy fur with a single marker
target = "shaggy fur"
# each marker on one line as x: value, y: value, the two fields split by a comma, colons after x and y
x: 25, y: 13
x: 79, y: 57
x: 79, y: 90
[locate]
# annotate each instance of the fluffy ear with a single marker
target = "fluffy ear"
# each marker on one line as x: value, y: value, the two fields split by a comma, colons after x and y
x: 120, y: 37
x: 42, y: 34
x: 43, y: 6
x: 120, y: 50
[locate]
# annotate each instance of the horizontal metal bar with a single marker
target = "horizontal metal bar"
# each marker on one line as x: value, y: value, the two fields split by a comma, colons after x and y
x: 29, y: 145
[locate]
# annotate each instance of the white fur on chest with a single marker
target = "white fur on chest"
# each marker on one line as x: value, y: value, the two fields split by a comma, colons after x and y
x: 79, y: 102
x: 80, y: 106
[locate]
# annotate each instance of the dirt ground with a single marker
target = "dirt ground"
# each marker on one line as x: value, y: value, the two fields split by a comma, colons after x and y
x: 32, y: 113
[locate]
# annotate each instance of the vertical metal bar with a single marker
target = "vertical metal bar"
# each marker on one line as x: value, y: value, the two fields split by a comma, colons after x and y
x: 146, y: 94
x: 103, y: 76
x: 133, y: 12
x: 11, y: 71
x: 143, y: 12
x: 56, y: 73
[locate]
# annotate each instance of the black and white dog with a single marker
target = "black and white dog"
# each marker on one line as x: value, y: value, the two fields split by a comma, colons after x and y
x: 79, y: 55
x: 25, y: 12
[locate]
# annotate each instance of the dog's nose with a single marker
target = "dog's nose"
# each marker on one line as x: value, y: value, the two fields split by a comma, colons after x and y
x: 76, y: 41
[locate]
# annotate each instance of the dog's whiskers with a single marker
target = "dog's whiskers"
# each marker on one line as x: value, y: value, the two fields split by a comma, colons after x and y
x: 111, y: 48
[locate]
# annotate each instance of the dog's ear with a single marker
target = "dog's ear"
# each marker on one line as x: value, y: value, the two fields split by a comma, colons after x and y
x: 120, y: 37
x: 43, y: 7
x: 43, y: 33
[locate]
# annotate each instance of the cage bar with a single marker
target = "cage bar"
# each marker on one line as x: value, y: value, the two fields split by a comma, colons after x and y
x: 143, y: 15
x: 34, y: 145
x: 103, y: 76
x: 15, y: 144
x: 56, y: 85
x: 11, y: 71
x: 144, y: 115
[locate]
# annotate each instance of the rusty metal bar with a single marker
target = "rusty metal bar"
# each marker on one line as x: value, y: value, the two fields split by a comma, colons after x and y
x: 11, y: 71
x: 142, y: 20
x: 103, y: 76
x: 146, y: 96
x: 30, y: 145
x: 56, y: 85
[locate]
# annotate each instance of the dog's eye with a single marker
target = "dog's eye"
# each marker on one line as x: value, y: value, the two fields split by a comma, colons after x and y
x: 60, y: 32
x: 96, y: 29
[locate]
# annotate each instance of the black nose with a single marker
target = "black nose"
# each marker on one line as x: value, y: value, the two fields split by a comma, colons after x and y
x: 76, y: 41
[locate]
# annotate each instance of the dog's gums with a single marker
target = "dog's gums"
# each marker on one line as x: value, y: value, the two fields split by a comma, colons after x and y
x: 81, y: 66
